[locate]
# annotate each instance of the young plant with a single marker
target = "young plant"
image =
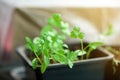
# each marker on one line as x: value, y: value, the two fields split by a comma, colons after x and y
x: 116, y: 52
x: 49, y: 46
x: 76, y: 33
x: 110, y: 31
x: 116, y: 58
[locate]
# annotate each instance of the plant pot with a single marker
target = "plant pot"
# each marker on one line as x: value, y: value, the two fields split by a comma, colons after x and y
x: 89, y: 69
x: 116, y: 74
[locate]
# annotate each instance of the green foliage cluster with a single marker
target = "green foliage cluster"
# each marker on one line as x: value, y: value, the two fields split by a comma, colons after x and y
x: 49, y: 45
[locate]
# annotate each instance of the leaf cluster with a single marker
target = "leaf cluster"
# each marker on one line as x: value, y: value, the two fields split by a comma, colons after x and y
x: 49, y: 45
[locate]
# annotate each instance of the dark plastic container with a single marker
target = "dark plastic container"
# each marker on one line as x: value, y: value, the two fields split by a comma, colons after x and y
x: 89, y: 69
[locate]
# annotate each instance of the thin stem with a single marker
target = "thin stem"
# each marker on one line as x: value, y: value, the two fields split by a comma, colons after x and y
x: 86, y: 47
x: 88, y: 53
x: 81, y: 48
x: 38, y: 57
x: 81, y: 44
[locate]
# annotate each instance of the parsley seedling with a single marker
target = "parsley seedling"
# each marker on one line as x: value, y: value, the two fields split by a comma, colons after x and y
x: 49, y: 46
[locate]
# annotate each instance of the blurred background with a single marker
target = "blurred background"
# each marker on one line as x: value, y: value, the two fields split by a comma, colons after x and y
x: 19, y: 19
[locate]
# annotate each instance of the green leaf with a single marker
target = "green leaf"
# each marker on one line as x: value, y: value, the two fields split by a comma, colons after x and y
x: 60, y: 58
x: 30, y: 44
x: 70, y: 63
x: 65, y: 28
x: 39, y: 52
x: 64, y: 25
x: 94, y: 45
x: 46, y: 28
x: 52, y: 33
x: 55, y: 20
x: 49, y: 38
x: 57, y: 17
x: 36, y: 40
x: 110, y: 30
x: 46, y: 59
x: 72, y: 55
x: 34, y: 63
x: 43, y: 67
x: 81, y: 35
x: 76, y: 33
x: 76, y: 28
x: 66, y: 31
x: 52, y: 22
x: 80, y: 52
x: 65, y: 45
